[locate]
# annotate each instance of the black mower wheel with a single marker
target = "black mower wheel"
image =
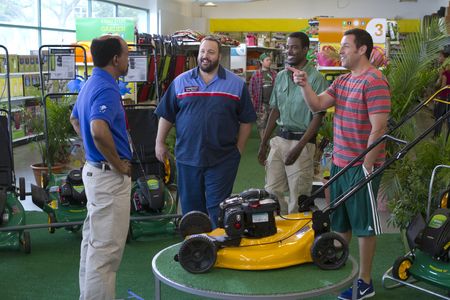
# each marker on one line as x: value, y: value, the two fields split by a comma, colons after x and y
x: 194, y: 222
x: 25, y: 242
x: 22, y: 188
x: 400, y: 269
x: 329, y: 251
x: 197, y: 254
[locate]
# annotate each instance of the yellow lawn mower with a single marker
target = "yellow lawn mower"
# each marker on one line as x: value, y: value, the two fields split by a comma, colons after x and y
x: 251, y: 237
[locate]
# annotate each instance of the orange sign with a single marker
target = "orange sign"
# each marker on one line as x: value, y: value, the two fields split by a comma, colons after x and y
x: 331, y: 30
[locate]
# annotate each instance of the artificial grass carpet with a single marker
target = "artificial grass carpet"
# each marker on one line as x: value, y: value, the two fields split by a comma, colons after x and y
x: 51, y: 270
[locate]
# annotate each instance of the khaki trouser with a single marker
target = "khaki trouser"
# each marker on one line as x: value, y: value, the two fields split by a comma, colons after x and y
x: 105, y: 231
x: 296, y: 179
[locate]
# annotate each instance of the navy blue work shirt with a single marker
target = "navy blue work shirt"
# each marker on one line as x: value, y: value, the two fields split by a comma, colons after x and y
x: 207, y: 117
x: 100, y: 99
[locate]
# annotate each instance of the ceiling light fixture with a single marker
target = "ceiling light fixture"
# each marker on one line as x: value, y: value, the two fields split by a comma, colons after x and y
x: 209, y: 4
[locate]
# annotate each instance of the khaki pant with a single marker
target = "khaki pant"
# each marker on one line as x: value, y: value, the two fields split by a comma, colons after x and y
x: 105, y: 231
x: 296, y: 179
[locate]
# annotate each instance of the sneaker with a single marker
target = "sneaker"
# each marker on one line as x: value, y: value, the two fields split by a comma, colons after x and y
x: 364, y: 291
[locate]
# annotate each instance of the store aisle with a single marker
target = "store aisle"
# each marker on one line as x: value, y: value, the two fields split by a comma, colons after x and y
x: 26, y: 155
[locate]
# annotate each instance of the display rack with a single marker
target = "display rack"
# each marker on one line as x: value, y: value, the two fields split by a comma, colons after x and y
x: 56, y: 96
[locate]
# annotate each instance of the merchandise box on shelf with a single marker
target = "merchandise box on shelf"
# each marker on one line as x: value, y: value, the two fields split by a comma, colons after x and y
x: 16, y: 86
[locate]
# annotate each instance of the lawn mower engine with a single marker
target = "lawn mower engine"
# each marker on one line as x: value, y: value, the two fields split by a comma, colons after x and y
x: 435, y: 237
x: 72, y: 191
x: 250, y: 214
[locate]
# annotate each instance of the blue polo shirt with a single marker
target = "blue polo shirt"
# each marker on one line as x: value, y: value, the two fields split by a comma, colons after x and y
x: 100, y: 99
x: 207, y: 117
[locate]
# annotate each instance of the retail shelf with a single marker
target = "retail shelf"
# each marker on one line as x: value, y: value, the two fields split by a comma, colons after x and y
x: 262, y: 48
x: 19, y: 74
x: 80, y: 64
x: 19, y: 99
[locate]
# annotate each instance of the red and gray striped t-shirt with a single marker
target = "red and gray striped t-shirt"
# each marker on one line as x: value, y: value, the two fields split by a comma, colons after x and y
x: 357, y: 97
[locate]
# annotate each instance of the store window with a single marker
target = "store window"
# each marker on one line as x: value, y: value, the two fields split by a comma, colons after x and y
x: 62, y: 13
x: 22, y: 12
x: 58, y: 37
x: 102, y: 9
x: 139, y: 14
x: 19, y: 40
x: 21, y: 32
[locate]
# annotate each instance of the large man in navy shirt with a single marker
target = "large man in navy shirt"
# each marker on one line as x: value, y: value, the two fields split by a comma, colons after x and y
x: 212, y: 111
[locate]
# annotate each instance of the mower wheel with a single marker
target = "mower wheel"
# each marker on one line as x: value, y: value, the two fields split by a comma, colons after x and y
x: 22, y: 188
x: 400, y: 269
x: 51, y: 219
x: 197, y: 254
x: 195, y: 222
x: 25, y: 242
x: 329, y: 251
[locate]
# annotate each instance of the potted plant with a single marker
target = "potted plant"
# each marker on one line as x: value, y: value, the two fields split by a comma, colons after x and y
x: 55, y: 149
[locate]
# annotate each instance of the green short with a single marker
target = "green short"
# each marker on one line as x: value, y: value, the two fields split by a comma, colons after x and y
x: 359, y: 212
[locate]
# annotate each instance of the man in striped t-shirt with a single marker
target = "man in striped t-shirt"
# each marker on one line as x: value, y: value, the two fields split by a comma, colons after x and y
x: 362, y: 105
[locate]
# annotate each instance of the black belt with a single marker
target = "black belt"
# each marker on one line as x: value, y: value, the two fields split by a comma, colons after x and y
x: 291, y: 135
x: 100, y: 165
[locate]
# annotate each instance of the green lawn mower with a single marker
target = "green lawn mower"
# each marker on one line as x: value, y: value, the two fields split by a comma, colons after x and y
x: 12, y: 212
x: 429, y: 257
x: 153, y: 194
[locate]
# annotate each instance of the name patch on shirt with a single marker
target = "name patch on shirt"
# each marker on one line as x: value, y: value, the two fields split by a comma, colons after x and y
x: 191, y: 89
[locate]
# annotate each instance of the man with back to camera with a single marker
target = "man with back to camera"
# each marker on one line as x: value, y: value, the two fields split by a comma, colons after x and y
x: 99, y: 119
x: 362, y: 106
x: 290, y: 163
x: 260, y: 87
x: 212, y: 111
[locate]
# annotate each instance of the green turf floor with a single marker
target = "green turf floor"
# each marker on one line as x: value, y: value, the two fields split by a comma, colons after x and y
x: 51, y: 270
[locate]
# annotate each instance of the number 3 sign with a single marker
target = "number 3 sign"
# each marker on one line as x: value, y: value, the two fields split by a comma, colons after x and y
x: 377, y: 29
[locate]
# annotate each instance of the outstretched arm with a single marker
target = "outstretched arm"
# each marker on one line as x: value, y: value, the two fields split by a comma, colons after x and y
x: 315, y: 102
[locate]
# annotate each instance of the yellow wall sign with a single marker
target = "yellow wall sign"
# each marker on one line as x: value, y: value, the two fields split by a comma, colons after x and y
x: 332, y: 29
x: 257, y: 25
